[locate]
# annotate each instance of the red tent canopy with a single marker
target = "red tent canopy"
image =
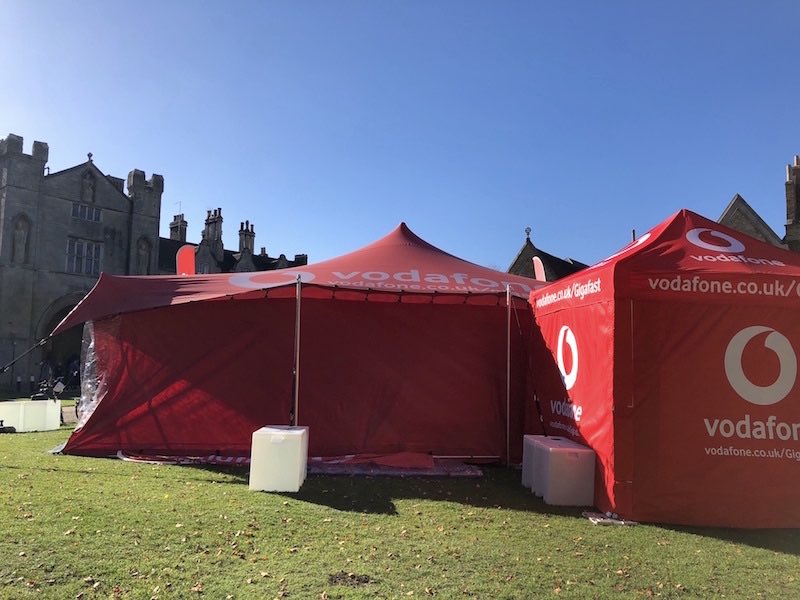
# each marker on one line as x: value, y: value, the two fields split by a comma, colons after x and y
x: 399, y: 264
x: 403, y: 348
x: 676, y: 360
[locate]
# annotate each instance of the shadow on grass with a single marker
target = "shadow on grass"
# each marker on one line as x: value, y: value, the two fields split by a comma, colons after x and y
x: 499, y: 487
x: 786, y: 541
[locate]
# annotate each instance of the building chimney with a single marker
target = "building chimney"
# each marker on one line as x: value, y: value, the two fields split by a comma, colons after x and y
x: 213, y: 230
x: 247, y: 236
x: 212, y: 234
x: 177, y: 229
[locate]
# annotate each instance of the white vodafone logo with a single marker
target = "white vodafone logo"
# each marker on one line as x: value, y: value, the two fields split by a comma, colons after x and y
x: 245, y: 280
x: 729, y: 244
x: 566, y: 335
x: 756, y: 394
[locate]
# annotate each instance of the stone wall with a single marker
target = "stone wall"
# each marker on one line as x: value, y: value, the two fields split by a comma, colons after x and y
x: 57, y: 232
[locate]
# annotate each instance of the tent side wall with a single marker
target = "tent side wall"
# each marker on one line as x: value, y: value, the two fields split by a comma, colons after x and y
x: 376, y: 377
x: 705, y: 455
x: 624, y: 411
x: 190, y: 379
x: 706, y: 402
x: 388, y: 377
x: 572, y: 374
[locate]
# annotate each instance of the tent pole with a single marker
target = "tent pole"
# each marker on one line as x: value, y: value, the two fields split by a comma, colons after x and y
x: 24, y: 354
x: 296, y: 409
x: 508, y: 375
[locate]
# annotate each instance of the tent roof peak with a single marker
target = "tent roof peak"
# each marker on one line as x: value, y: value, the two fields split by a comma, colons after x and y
x: 402, y: 235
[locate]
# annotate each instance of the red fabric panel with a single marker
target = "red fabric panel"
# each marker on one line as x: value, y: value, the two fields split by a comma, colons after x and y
x: 376, y: 378
x: 399, y: 265
x: 575, y: 392
x: 190, y: 380
x: 585, y: 287
x: 743, y: 288
x: 704, y: 454
x: 684, y: 447
x: 621, y: 501
x: 690, y: 242
x: 385, y: 378
x: 687, y: 258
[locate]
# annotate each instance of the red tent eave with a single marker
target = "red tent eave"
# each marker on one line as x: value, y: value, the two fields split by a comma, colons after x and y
x: 400, y: 267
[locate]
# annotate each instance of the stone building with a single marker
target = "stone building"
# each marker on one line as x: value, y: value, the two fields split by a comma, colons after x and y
x: 536, y: 263
x: 210, y: 254
x: 740, y: 215
x: 58, y: 231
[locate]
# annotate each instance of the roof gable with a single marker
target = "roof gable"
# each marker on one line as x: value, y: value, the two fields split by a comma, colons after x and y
x: 739, y: 215
x: 106, y: 184
x: 554, y: 268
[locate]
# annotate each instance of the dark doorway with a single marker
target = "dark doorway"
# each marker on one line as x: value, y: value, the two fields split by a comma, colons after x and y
x: 62, y: 353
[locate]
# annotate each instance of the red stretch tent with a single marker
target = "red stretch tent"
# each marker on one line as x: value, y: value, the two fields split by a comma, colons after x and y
x: 676, y: 360
x: 402, y: 348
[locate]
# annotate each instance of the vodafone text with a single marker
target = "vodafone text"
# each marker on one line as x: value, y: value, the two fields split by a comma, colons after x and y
x: 567, y: 409
x: 579, y: 289
x: 779, y: 453
x: 737, y: 258
x: 703, y: 285
x: 414, y: 280
x: 748, y: 428
x: 570, y: 411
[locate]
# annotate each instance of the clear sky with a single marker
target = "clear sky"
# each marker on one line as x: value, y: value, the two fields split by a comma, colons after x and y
x: 326, y: 123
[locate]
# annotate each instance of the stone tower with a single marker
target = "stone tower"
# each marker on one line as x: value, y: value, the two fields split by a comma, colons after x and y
x: 145, y: 197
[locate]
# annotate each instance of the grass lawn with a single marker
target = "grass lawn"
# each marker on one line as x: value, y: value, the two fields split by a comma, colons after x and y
x: 96, y: 528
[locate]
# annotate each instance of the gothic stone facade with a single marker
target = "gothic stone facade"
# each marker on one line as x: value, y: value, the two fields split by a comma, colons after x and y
x: 57, y: 232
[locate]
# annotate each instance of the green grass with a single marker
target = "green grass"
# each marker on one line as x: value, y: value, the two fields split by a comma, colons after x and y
x: 96, y: 528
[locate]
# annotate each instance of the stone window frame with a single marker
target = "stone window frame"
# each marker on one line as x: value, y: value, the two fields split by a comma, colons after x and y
x: 84, y: 257
x: 85, y: 212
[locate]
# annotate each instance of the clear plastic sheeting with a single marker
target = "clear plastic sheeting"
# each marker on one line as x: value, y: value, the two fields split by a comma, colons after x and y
x: 92, y: 388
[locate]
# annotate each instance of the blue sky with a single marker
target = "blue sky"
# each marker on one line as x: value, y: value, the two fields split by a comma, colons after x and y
x: 326, y: 123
